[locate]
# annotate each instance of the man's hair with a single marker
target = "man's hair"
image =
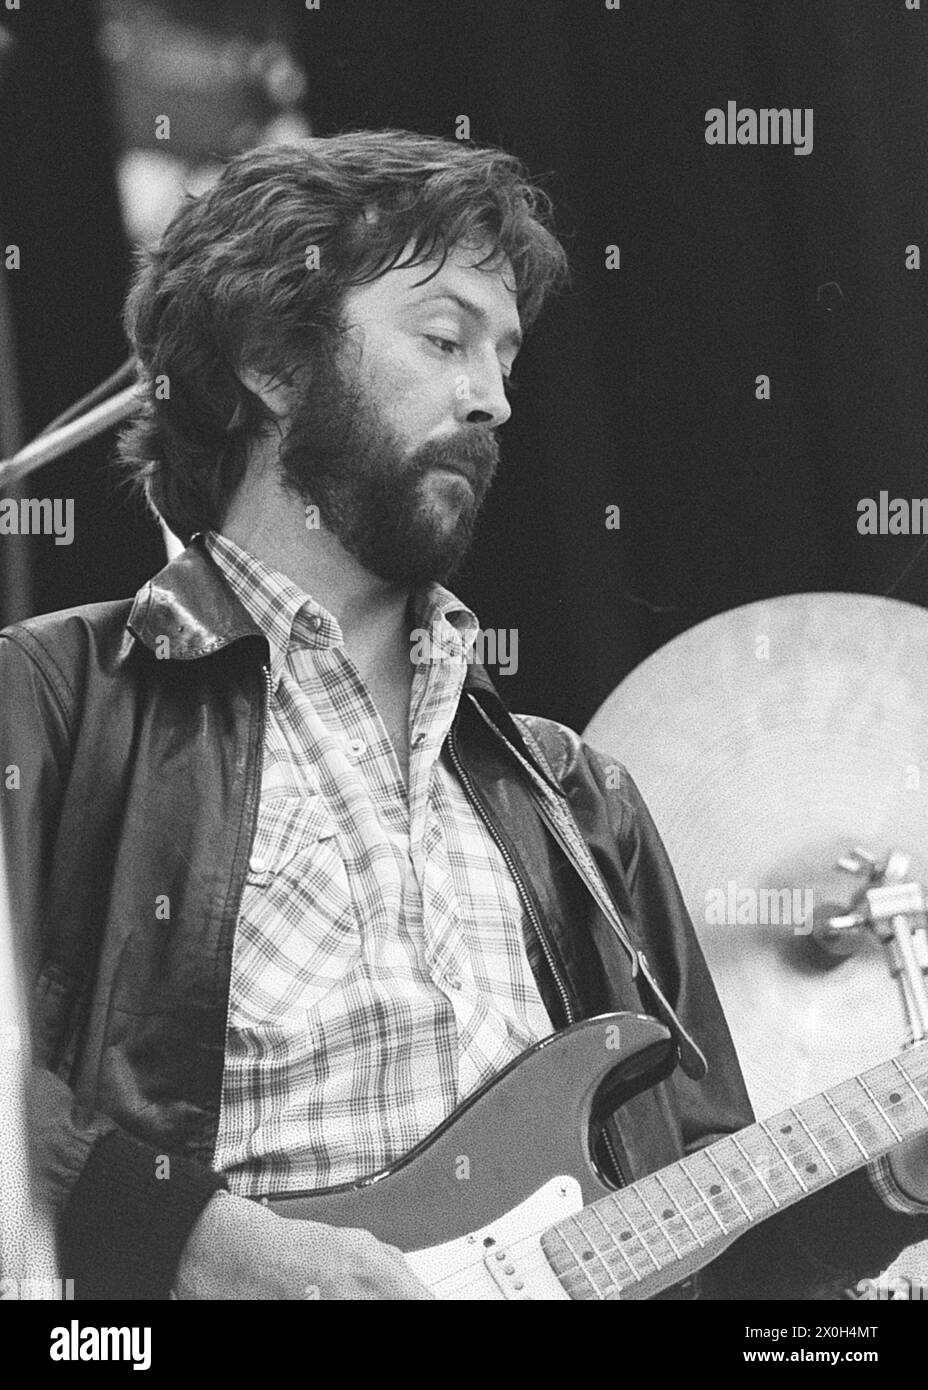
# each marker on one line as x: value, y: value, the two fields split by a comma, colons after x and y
x: 233, y: 284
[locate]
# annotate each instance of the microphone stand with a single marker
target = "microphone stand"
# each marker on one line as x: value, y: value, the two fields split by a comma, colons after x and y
x: 70, y: 436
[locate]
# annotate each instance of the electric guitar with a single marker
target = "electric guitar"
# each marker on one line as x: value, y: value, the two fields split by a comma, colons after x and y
x: 504, y: 1201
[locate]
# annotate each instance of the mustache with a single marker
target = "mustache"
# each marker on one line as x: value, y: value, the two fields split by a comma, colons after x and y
x: 475, y: 452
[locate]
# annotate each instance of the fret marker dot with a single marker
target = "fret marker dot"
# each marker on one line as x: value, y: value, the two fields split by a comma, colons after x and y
x: 787, y: 1129
x: 588, y: 1254
x: 714, y: 1190
x: 811, y: 1167
x: 895, y: 1098
x: 666, y: 1214
x: 626, y: 1235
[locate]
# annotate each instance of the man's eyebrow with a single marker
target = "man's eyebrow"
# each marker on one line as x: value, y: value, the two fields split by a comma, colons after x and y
x: 513, y: 338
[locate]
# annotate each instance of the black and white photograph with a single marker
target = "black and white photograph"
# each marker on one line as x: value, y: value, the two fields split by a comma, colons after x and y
x: 464, y: 666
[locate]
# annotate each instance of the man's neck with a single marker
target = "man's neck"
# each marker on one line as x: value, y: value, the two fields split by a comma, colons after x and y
x: 372, y: 614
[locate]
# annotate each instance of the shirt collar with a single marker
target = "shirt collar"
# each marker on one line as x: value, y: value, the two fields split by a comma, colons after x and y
x: 290, y: 618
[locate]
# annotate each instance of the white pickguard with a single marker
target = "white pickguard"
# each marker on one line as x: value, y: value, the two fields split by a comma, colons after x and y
x: 503, y: 1260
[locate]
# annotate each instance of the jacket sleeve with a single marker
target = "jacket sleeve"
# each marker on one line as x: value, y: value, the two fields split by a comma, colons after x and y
x: 121, y: 1227
x: 824, y: 1244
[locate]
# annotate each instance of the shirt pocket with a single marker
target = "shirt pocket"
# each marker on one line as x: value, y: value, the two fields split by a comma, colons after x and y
x: 298, y: 936
x: 289, y: 825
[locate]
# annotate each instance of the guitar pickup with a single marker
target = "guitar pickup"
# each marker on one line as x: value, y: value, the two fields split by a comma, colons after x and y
x: 504, y: 1272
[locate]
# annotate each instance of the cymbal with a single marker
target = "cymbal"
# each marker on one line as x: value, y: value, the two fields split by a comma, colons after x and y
x: 768, y: 742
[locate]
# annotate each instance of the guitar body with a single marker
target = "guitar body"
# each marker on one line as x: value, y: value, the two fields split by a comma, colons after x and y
x: 470, y: 1204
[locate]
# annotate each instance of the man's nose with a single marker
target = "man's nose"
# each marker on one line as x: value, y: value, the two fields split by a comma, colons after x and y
x: 481, y: 397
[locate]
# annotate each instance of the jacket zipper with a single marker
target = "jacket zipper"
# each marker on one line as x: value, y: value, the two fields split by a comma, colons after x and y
x: 617, y: 1175
x: 263, y: 716
x: 517, y: 877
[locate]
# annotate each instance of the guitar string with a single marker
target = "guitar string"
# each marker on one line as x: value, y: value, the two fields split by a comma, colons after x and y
x: 647, y: 1231
x: 683, y: 1211
x: 464, y: 1277
x: 734, y: 1182
x: 832, y: 1137
x: 914, y: 1089
x: 474, y: 1275
x: 529, y: 1253
x: 879, y: 1107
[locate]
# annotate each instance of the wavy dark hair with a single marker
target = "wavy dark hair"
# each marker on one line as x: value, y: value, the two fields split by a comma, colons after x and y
x: 230, y: 285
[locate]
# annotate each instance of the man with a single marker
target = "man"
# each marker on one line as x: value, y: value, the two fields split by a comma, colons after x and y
x: 288, y: 886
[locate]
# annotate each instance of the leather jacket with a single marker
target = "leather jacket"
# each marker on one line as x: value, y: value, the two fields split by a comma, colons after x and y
x: 135, y: 729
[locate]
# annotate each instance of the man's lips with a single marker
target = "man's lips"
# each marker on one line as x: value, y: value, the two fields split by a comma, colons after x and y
x: 455, y: 468
x: 473, y: 460
x: 459, y: 470
x: 475, y: 466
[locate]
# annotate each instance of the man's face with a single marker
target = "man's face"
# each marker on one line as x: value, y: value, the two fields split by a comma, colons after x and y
x: 394, y: 439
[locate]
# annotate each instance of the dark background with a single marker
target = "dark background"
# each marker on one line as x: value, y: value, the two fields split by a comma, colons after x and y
x: 638, y: 387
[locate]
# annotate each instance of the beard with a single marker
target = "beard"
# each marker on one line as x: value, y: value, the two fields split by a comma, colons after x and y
x: 342, y: 455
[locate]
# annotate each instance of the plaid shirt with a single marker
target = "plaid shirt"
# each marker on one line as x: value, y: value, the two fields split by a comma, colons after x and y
x: 379, y: 971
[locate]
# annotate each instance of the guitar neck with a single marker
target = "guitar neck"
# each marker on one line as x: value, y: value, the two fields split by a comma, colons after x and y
x: 650, y: 1235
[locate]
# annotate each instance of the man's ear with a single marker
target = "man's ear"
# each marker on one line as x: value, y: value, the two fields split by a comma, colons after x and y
x: 271, y: 393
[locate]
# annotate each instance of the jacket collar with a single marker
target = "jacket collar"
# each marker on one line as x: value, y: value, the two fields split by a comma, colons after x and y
x: 190, y: 603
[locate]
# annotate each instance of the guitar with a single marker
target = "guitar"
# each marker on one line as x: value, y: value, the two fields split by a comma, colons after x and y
x: 503, y: 1200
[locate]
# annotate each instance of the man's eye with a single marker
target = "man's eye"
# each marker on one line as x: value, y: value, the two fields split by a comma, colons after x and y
x: 443, y: 344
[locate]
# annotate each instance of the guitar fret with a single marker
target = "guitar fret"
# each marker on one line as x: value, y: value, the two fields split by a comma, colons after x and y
x: 701, y: 1219
x: 796, y: 1115
x: 832, y: 1135
x: 576, y: 1266
x: 616, y: 1246
x: 627, y: 1195
x: 911, y: 1084
x: 611, y: 1246
x: 786, y: 1158
x: 871, y: 1122
x: 771, y: 1159
x: 791, y: 1141
x: 658, y: 1224
x: 734, y: 1191
x: 685, y: 1168
x: 879, y: 1107
x: 755, y: 1170
x: 828, y: 1100
x: 744, y: 1174
x: 632, y: 1247
x: 681, y: 1210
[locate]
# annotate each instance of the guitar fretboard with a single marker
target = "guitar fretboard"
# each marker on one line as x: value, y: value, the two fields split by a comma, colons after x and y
x: 628, y: 1237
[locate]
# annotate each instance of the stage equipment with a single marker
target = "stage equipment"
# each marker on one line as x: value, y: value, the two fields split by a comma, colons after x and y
x: 782, y: 749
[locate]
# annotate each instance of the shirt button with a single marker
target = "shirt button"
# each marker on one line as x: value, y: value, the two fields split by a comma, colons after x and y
x: 256, y: 864
x: 455, y: 981
x: 315, y: 622
x: 355, y: 747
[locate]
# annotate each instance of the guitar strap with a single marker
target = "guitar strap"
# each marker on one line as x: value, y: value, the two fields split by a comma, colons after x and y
x: 558, y: 817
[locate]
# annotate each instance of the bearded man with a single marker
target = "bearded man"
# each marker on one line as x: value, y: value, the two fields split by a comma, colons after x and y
x: 288, y: 896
